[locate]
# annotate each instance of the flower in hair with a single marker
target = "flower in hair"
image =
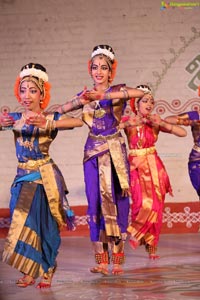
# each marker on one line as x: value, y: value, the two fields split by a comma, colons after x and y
x: 113, y: 71
x: 144, y: 88
x: 105, y: 50
x: 16, y: 89
x: 132, y: 104
x: 34, y: 72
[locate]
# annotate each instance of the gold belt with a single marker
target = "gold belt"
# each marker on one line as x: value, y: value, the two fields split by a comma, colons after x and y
x: 102, y: 137
x: 33, y: 164
x: 142, y: 152
x: 196, y: 148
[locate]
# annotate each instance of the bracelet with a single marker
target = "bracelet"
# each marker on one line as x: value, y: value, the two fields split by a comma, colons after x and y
x: 185, y: 122
x: 62, y: 109
x: 179, y: 121
x: 162, y: 123
x: 76, y: 103
x: 125, y: 93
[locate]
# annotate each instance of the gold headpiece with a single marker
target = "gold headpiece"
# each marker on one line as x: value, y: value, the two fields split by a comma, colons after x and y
x: 37, y: 74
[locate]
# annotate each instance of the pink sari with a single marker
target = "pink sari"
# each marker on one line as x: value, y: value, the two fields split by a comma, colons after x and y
x: 149, y: 184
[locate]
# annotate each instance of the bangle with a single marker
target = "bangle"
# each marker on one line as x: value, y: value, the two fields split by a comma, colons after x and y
x: 62, y: 109
x: 162, y: 123
x: 76, y: 103
x: 185, y: 122
x: 125, y: 93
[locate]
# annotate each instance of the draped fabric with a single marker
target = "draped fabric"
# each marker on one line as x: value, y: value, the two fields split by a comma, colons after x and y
x: 194, y: 157
x: 36, y: 204
x: 106, y: 170
x: 149, y: 184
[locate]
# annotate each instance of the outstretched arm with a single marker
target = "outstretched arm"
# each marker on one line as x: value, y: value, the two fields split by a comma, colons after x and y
x: 181, y: 119
x: 75, y: 103
x: 6, y: 121
x: 68, y: 123
x: 42, y: 122
x: 125, y: 93
x: 174, y: 129
x: 168, y: 127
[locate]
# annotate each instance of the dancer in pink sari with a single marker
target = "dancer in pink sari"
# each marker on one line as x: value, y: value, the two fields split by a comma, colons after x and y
x: 149, y: 179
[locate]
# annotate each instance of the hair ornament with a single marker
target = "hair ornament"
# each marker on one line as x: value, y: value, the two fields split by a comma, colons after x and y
x: 134, y: 101
x: 132, y: 105
x: 105, y: 50
x: 34, y: 72
x: 144, y: 88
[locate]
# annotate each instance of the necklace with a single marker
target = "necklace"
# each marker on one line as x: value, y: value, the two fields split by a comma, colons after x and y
x: 99, y: 112
x: 140, y: 134
x: 103, y: 89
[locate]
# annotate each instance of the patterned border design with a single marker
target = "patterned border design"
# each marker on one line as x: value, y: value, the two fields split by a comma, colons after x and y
x: 167, y: 64
x: 188, y: 217
x: 161, y: 107
x: 175, y: 107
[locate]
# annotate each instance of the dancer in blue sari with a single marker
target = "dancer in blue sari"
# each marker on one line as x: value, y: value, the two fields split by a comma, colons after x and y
x: 38, y: 193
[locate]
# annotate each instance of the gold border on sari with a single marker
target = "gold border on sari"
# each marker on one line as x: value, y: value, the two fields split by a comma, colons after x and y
x: 113, y: 143
x: 108, y: 207
x: 25, y: 264
x: 19, y: 218
x: 148, y: 176
x: 53, y: 196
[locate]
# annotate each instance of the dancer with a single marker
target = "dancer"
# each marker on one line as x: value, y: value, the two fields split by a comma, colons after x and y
x: 106, y: 170
x: 192, y: 119
x: 38, y: 200
x: 149, y: 179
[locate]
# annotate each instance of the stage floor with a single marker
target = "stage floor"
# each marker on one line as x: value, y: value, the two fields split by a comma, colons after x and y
x: 176, y: 275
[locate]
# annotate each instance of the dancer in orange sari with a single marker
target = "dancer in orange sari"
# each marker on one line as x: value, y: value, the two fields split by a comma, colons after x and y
x: 149, y: 179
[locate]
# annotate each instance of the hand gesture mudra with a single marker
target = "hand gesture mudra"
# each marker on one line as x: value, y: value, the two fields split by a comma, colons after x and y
x: 92, y: 95
x: 38, y: 120
x: 154, y: 119
x: 6, y: 120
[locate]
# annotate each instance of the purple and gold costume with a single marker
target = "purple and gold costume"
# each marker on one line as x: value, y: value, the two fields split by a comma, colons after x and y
x: 194, y: 157
x: 106, y: 171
